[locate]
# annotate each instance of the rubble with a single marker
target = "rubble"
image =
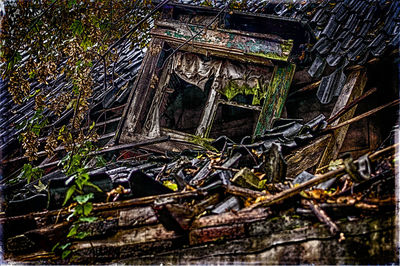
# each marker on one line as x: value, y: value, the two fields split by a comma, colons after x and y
x: 226, y: 152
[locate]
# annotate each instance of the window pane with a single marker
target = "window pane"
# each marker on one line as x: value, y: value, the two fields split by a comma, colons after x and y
x: 183, y: 106
x: 234, y: 122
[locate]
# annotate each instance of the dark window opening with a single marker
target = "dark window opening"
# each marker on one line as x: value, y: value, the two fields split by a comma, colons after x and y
x: 234, y: 122
x: 183, y: 105
x: 242, y: 99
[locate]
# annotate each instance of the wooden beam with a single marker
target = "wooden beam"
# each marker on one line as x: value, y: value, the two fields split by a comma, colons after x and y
x: 277, y: 198
x: 238, y: 43
x: 352, y: 89
x: 276, y: 96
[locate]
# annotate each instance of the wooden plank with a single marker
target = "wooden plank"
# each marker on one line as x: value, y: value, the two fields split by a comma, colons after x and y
x: 230, y: 218
x: 125, y: 243
x: 305, y: 157
x: 137, y: 217
x: 231, y: 42
x: 219, y: 233
x: 140, y: 98
x: 276, y: 96
x: 352, y: 89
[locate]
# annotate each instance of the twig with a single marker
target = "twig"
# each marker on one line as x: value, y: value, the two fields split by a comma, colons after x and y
x: 224, y: 168
x: 357, y: 118
x: 322, y: 216
x: 306, y: 88
x: 313, y: 182
x: 126, y: 35
x: 350, y: 105
x: 244, y: 192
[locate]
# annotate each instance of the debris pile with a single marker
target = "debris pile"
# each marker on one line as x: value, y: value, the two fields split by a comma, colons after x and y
x: 196, y: 197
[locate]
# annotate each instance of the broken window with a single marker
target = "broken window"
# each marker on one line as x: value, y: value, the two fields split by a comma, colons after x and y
x: 209, y: 96
x: 182, y: 105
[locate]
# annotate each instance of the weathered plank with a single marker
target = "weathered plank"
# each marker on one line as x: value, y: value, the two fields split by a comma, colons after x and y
x: 137, y: 217
x: 218, y: 233
x: 231, y: 218
x: 287, y: 240
x: 305, y: 157
x: 231, y: 42
x: 126, y: 243
x: 276, y: 96
x: 352, y: 89
x: 143, y: 90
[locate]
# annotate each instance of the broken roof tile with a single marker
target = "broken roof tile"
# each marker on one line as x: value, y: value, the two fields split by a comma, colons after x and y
x: 343, y: 34
x: 317, y: 16
x: 350, y: 22
x: 364, y: 29
x: 379, y: 50
x: 357, y: 52
x: 323, y: 46
x: 317, y: 67
x: 378, y: 39
x: 369, y: 15
x: 347, y: 41
x: 334, y: 59
x: 330, y: 28
x: 363, y: 9
x: 340, y: 17
x: 331, y: 86
x: 323, y: 20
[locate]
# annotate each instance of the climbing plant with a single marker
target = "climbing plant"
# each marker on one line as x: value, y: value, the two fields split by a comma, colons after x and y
x: 42, y: 40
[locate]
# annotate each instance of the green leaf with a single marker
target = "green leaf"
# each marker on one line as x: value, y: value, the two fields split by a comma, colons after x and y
x: 90, y: 184
x: 100, y: 161
x: 63, y: 247
x: 81, y: 235
x: 65, y: 254
x: 55, y: 247
x: 72, y: 231
x: 78, y: 210
x: 87, y: 219
x: 87, y: 208
x: 92, y: 126
x: 81, y: 199
x: 69, y: 193
x: 40, y: 187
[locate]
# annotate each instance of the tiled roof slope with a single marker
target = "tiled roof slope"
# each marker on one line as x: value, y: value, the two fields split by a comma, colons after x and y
x: 347, y: 31
x: 113, y: 94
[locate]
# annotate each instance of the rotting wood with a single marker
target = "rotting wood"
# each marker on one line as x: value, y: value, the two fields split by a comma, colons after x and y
x: 322, y: 216
x: 244, y: 192
x: 232, y: 43
x: 313, y: 182
x: 275, y: 98
x: 137, y: 217
x: 134, y: 115
x: 125, y: 243
x: 99, y: 207
x: 305, y: 157
x: 228, y: 218
x: 352, y: 89
x: 212, y: 234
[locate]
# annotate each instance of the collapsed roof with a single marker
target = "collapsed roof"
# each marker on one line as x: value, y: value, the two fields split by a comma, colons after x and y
x: 301, y: 61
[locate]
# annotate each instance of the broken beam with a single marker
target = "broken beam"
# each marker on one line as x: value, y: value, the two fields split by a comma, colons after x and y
x: 313, y: 182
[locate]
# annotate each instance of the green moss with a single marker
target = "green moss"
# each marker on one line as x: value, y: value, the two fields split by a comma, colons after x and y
x: 203, y: 142
x: 232, y: 89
